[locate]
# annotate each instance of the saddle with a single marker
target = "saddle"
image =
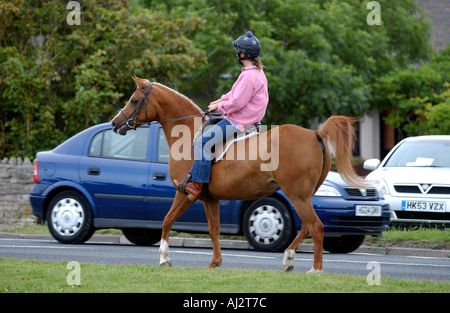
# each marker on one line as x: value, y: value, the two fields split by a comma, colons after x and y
x: 220, y: 151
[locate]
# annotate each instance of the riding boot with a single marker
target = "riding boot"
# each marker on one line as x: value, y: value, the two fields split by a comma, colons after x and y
x: 193, y: 189
x: 190, y: 188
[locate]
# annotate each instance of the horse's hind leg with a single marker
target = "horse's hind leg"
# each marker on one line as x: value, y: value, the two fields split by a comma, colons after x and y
x: 212, y: 215
x: 315, y: 227
x: 179, y: 205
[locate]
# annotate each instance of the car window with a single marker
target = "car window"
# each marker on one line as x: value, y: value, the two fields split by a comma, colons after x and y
x: 132, y: 146
x: 424, y: 153
x: 163, y: 147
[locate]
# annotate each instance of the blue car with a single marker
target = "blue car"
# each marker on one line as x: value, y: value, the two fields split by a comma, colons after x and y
x: 97, y: 180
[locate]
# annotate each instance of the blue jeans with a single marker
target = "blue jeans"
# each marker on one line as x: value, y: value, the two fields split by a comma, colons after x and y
x: 216, y: 134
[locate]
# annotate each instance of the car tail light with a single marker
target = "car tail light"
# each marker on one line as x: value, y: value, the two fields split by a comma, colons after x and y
x: 35, y: 172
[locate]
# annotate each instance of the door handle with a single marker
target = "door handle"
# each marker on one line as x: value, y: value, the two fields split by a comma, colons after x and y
x: 159, y: 176
x: 93, y: 171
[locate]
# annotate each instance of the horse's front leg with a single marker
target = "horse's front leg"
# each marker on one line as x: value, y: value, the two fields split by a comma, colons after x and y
x: 179, y: 205
x: 212, y: 214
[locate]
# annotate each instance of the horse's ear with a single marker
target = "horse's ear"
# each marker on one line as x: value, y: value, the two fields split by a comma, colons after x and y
x: 142, y: 83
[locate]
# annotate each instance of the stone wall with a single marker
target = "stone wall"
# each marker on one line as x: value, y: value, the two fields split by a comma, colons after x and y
x: 16, y: 180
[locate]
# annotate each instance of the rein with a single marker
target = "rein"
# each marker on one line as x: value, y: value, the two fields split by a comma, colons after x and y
x: 183, y: 118
x: 131, y: 120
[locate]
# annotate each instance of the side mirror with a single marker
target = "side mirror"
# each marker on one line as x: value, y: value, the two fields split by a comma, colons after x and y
x: 371, y: 164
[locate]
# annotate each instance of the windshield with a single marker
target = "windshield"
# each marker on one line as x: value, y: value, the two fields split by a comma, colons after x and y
x: 422, y: 153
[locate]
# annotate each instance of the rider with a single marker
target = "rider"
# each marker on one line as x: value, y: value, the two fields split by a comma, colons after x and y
x: 244, y: 105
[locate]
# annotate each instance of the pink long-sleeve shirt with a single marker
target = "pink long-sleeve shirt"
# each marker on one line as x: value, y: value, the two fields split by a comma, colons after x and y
x: 247, y: 101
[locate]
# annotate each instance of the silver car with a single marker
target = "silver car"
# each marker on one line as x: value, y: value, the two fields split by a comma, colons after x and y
x: 415, y: 178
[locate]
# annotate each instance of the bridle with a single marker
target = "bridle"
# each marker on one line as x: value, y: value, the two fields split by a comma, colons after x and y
x: 131, y: 120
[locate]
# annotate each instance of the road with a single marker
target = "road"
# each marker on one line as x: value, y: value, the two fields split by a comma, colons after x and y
x: 108, y: 253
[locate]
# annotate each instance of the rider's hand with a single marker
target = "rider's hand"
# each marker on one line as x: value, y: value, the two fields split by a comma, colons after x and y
x: 214, y: 105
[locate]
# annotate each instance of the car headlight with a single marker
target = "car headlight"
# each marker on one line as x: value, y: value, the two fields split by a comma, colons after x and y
x: 327, y: 191
x: 381, y: 186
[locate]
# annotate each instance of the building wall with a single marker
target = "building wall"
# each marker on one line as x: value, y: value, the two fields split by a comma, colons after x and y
x: 440, y: 17
x: 369, y: 135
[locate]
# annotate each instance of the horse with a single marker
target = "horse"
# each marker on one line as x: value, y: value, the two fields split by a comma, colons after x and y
x: 304, y: 160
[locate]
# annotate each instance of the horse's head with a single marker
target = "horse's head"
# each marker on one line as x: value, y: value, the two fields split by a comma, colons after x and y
x: 137, y: 111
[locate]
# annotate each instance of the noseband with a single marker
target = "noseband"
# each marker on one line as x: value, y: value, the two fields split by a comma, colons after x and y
x: 131, y: 120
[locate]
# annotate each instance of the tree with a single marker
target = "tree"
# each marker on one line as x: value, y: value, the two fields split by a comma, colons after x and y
x: 57, y: 79
x: 417, y: 99
x: 321, y: 56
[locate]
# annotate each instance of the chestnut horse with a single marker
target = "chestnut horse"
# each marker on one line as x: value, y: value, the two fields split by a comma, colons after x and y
x: 303, y: 163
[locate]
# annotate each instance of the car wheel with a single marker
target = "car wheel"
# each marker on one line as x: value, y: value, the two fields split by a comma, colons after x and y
x: 69, y: 218
x: 344, y: 244
x: 268, y: 225
x: 143, y: 237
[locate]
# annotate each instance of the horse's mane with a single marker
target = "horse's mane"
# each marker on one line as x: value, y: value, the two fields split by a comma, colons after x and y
x: 181, y: 97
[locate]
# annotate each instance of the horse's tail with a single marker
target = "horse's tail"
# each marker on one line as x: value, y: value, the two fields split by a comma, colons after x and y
x: 339, y: 131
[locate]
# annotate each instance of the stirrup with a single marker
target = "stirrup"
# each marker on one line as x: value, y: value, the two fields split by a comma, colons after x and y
x: 181, y: 185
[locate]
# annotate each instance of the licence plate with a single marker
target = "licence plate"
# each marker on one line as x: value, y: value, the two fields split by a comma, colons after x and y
x: 424, y: 206
x: 368, y: 210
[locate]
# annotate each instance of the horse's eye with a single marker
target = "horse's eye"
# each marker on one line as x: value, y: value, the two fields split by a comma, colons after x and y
x: 134, y: 101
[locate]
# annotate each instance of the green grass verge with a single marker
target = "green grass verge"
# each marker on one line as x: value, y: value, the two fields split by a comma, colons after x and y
x: 39, y: 229
x: 23, y: 276
x: 422, y: 237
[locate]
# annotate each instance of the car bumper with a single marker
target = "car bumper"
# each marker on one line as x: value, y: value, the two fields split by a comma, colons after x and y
x: 37, y: 200
x: 400, y: 214
x: 37, y: 204
x: 339, y: 217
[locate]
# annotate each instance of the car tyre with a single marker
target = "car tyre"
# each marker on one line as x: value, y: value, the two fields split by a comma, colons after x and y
x: 69, y: 218
x: 143, y: 237
x: 268, y: 225
x: 344, y: 244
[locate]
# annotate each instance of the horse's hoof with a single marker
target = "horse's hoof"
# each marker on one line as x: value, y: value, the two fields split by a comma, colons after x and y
x: 287, y: 264
x: 166, y: 263
x: 214, y: 264
x: 314, y: 271
x: 288, y: 267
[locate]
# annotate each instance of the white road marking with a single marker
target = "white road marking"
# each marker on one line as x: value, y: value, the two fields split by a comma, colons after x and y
x: 224, y: 254
x: 45, y: 247
x: 381, y: 262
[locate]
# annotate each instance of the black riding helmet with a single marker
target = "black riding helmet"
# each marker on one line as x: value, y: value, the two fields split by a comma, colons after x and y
x: 249, y: 45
